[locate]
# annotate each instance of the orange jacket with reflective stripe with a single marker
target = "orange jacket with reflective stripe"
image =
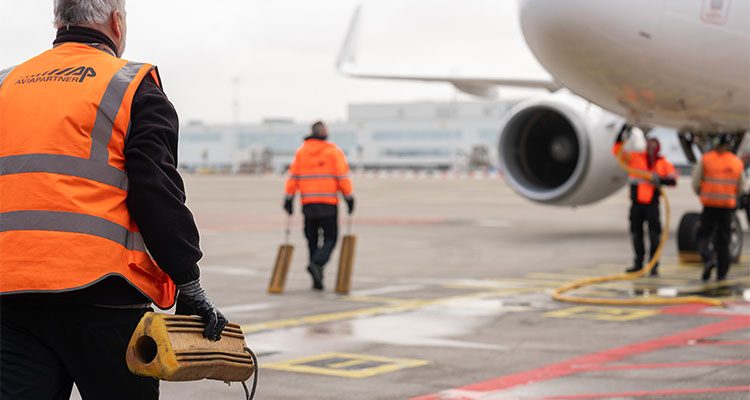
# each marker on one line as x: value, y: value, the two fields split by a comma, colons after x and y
x: 639, y: 162
x: 64, y: 223
x: 319, y: 171
x: 721, y: 176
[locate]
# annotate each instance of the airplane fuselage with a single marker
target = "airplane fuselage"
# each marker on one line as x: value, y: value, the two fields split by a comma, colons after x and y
x: 683, y: 64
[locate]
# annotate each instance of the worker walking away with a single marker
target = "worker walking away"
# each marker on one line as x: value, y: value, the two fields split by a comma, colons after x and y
x: 319, y: 172
x: 644, y: 196
x: 89, y: 194
x: 718, y: 179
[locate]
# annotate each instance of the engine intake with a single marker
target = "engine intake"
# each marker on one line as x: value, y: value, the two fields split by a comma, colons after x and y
x: 557, y: 150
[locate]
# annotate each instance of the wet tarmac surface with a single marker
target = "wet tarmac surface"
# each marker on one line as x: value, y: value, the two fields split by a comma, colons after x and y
x: 451, y: 300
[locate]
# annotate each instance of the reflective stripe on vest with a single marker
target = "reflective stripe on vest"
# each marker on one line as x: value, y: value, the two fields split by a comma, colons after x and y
x: 318, y: 176
x: 65, y: 165
x: 70, y: 222
x: 721, y: 181
x: 308, y: 195
x: 108, y: 108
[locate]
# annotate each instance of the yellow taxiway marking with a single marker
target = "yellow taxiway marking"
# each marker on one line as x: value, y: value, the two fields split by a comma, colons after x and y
x: 346, y: 365
x: 602, y: 313
x: 374, y: 299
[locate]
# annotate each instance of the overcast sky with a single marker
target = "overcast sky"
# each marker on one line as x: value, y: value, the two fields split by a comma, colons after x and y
x: 284, y: 51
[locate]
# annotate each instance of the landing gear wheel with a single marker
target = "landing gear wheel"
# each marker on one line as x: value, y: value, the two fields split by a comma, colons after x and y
x: 687, y: 239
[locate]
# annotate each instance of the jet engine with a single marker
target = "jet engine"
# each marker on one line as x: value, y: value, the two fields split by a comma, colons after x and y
x: 557, y: 150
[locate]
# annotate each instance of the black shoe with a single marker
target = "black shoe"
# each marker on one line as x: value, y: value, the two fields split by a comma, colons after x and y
x: 316, y: 272
x: 633, y: 269
x: 654, y: 271
x: 721, y: 278
x: 707, y: 268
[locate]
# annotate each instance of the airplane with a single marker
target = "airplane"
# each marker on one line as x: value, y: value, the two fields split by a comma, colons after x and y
x: 682, y: 64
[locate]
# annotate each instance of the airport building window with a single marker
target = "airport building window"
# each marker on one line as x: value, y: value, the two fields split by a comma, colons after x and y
x: 416, y: 135
x: 420, y: 152
x: 490, y: 136
x: 201, y: 137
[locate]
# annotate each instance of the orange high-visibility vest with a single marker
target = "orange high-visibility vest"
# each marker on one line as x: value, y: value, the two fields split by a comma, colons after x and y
x: 638, y: 161
x: 721, y: 176
x: 319, y: 171
x: 64, y: 224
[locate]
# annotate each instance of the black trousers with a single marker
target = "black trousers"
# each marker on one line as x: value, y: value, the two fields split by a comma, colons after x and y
x: 716, y: 222
x: 47, y: 345
x: 325, y: 228
x: 640, y: 213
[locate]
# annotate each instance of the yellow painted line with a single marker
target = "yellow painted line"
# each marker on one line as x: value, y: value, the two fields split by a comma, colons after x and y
x: 345, y: 368
x: 496, y: 289
x: 602, y: 313
x: 374, y: 299
x: 362, y: 312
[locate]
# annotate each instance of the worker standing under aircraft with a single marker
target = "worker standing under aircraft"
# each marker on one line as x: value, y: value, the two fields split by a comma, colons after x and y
x: 644, y: 195
x: 319, y: 172
x: 90, y: 193
x: 718, y: 179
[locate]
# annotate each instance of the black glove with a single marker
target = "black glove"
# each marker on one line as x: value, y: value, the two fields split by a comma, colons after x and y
x: 656, y: 180
x: 288, y: 205
x: 349, y: 203
x: 192, y: 300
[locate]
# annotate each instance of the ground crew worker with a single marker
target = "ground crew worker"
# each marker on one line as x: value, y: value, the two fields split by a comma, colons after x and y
x: 718, y: 179
x: 319, y: 171
x: 89, y: 182
x: 644, y: 195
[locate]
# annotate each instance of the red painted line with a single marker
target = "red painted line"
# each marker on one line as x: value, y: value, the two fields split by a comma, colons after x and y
x: 608, y: 356
x: 723, y: 343
x: 699, y: 309
x: 598, y: 360
x: 673, y: 365
x: 643, y: 393
x: 685, y: 309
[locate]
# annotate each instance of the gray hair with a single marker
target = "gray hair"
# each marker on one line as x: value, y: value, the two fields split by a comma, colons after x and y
x: 88, y: 12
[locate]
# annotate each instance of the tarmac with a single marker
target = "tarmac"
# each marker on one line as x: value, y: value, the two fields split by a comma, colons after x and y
x: 451, y: 299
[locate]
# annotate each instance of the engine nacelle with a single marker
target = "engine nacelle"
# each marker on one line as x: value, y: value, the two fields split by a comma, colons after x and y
x: 557, y: 150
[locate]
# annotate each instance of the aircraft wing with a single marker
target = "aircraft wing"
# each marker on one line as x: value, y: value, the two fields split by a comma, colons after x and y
x: 483, y: 87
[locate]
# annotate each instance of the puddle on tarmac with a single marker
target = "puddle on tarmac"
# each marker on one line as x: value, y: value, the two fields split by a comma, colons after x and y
x: 441, y: 325
x: 715, y: 290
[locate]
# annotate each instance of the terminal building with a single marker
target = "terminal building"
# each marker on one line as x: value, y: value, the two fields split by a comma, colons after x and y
x: 400, y: 136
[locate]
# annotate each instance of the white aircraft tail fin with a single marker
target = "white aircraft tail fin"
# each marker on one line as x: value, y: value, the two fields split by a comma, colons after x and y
x: 348, y: 55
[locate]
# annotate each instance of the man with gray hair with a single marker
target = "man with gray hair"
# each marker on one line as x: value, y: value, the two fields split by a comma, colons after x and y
x: 94, y: 227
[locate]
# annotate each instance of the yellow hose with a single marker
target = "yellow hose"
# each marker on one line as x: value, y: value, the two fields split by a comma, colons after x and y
x: 558, y: 293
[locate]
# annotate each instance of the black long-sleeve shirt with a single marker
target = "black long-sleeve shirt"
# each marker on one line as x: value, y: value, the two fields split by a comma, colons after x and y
x: 156, y: 194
